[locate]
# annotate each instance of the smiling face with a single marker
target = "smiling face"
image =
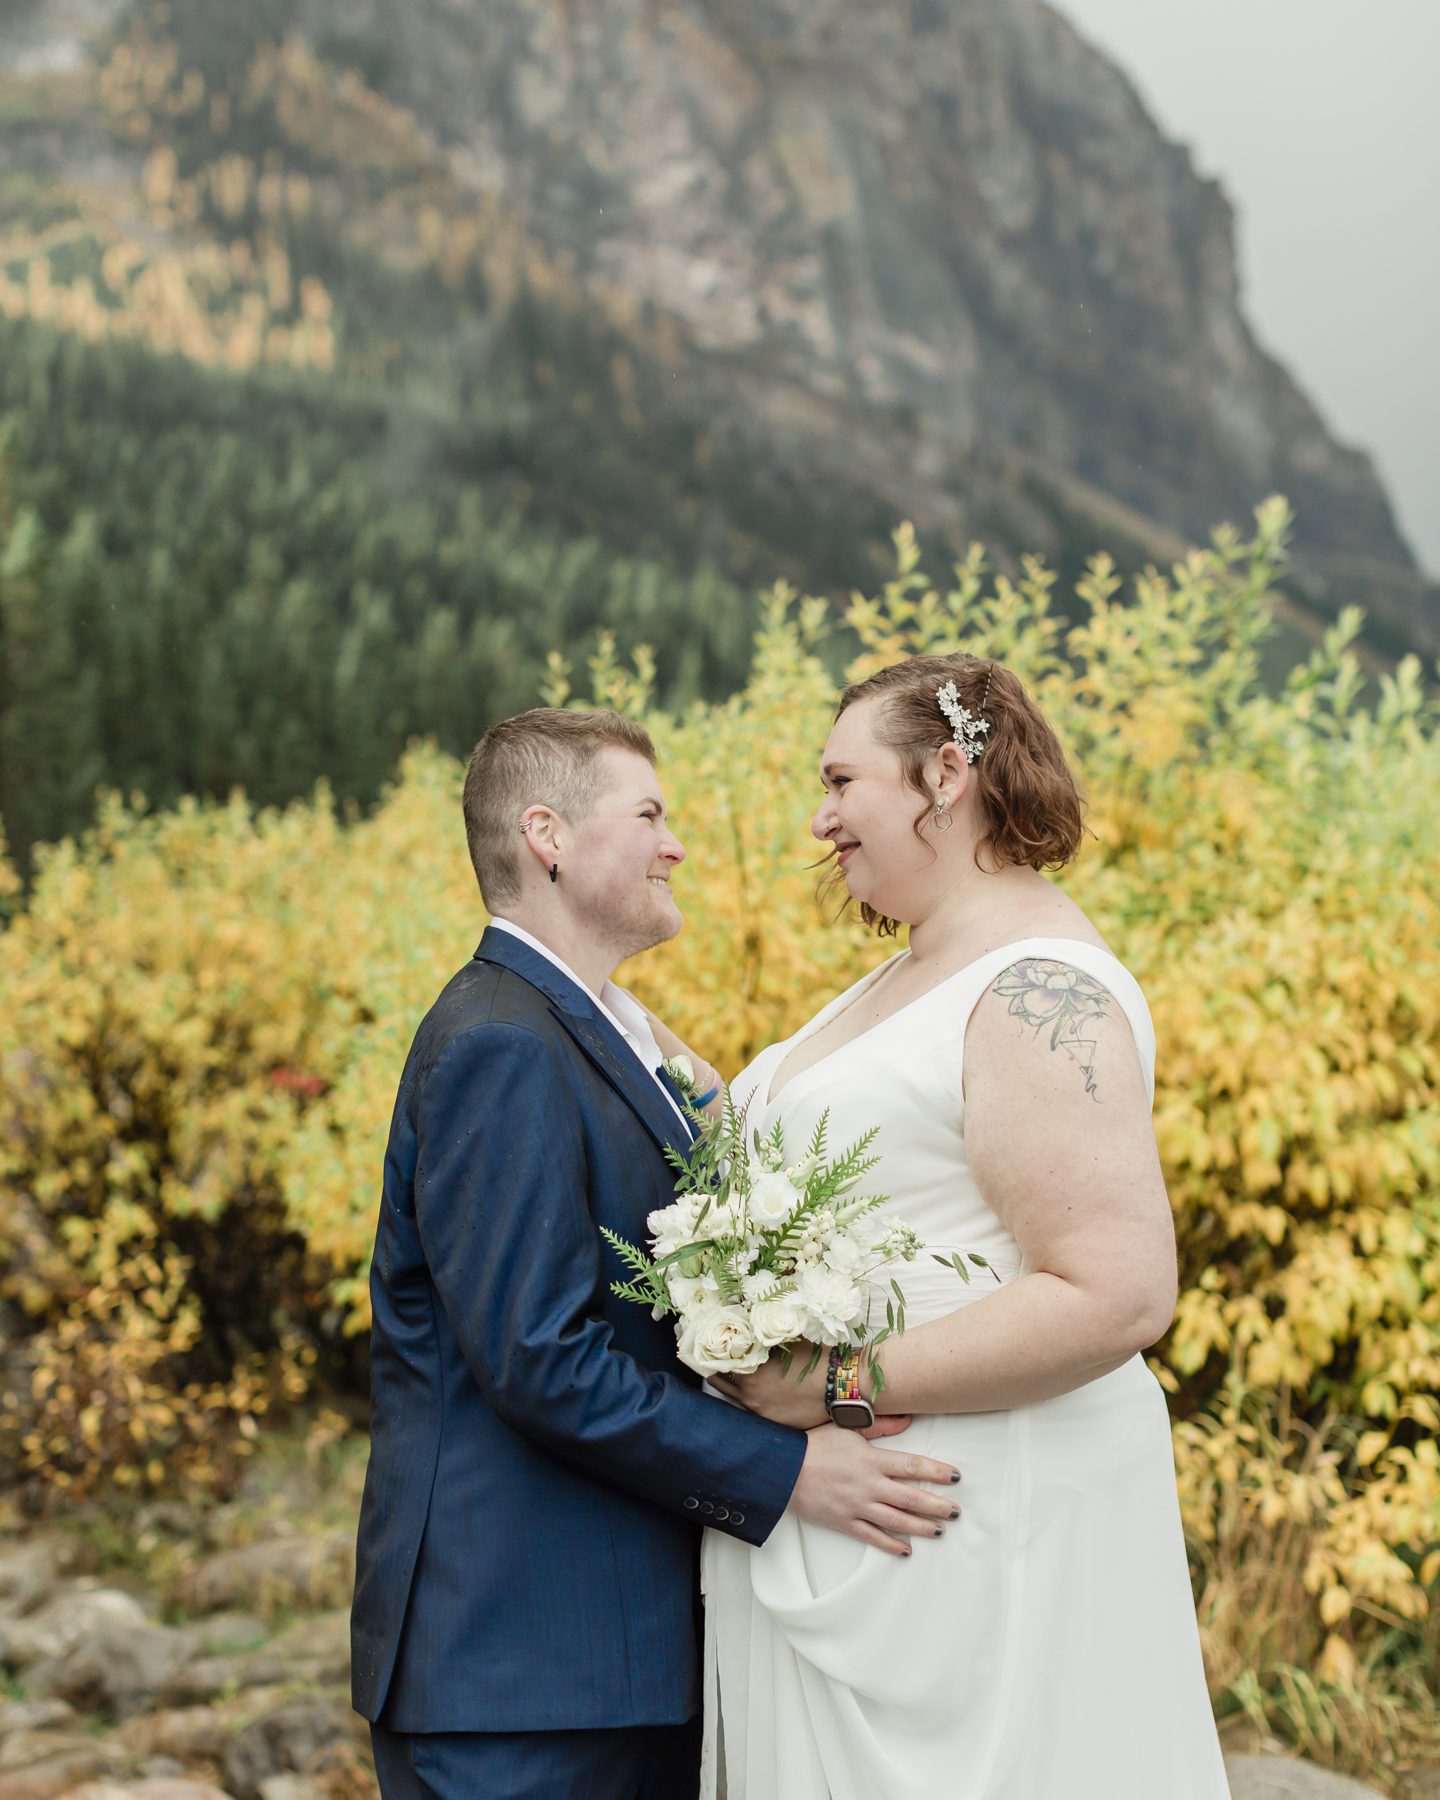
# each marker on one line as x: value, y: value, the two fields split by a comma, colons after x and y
x: 869, y: 813
x: 616, y: 863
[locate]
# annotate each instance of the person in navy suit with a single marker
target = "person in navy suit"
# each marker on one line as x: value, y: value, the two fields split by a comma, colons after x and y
x: 526, y: 1599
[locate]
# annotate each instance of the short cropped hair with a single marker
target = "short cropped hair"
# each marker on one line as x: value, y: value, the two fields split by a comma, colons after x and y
x: 549, y: 756
x: 1028, y: 805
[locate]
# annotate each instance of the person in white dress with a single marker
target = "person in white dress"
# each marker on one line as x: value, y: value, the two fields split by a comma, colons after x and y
x: 1041, y: 1644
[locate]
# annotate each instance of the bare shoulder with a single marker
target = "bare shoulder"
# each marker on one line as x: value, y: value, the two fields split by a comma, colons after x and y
x: 1056, y: 1028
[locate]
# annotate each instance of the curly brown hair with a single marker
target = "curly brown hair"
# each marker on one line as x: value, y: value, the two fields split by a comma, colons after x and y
x: 1026, y: 798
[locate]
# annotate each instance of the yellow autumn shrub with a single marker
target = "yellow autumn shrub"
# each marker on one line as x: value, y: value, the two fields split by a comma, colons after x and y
x: 175, y: 998
x: 203, y: 1018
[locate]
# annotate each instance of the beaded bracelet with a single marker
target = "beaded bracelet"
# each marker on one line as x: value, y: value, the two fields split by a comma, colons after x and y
x: 844, y: 1402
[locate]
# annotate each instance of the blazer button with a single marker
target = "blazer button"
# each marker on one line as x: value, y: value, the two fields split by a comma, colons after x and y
x: 721, y: 1513
x: 706, y: 1507
x: 691, y: 1502
x: 737, y: 1518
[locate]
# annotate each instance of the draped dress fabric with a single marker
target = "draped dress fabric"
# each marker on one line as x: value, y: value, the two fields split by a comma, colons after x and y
x: 1046, y: 1647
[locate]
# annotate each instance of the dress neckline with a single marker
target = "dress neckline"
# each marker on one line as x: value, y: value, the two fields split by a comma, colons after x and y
x: 863, y: 986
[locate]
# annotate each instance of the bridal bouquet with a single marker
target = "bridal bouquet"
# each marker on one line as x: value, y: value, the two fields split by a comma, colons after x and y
x: 754, y: 1255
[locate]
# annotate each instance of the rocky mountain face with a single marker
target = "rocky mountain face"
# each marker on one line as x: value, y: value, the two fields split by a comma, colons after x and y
x: 923, y: 258
x: 731, y: 282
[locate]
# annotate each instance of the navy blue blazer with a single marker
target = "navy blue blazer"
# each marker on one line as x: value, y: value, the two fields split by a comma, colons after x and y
x: 540, y: 1461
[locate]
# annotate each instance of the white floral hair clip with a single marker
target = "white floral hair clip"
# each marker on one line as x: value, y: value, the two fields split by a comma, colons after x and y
x: 967, y: 730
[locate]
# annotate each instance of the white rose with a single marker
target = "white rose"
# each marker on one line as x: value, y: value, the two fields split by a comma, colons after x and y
x: 863, y: 1231
x: 772, y: 1202
x: 721, y: 1342
x: 779, y: 1320
x: 672, y: 1226
x: 721, y: 1221
x: 845, y: 1256
x: 833, y: 1301
x: 691, y: 1298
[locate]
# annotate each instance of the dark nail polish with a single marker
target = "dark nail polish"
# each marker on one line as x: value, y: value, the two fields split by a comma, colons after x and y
x: 955, y: 1477
x: 904, y: 1552
x: 954, y: 1512
x: 939, y: 1531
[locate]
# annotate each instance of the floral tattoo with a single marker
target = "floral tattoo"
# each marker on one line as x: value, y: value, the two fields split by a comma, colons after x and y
x: 1057, y: 996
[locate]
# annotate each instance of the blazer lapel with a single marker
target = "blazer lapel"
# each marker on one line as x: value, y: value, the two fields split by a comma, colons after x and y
x: 625, y: 1072
x: 574, y: 1008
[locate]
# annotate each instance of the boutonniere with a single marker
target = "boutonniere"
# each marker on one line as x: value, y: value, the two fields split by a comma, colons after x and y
x: 681, y: 1071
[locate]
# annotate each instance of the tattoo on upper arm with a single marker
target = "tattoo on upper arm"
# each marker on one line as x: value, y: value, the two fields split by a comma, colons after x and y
x: 1063, y: 999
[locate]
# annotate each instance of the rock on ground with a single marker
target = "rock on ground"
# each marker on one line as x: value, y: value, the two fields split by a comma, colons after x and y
x: 287, y: 1742
x: 315, y: 1651
x: 310, y: 1571
x: 194, y: 1733
x: 23, y: 1748
x: 29, y: 1572
x: 34, y: 1715
x: 70, y: 1762
x: 292, y: 1787
x: 65, y: 1620
x: 119, y: 1670
x: 1287, y: 1778
x: 172, y: 1787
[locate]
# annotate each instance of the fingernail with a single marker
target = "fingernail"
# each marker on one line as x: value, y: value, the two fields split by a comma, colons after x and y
x: 954, y: 1512
x: 904, y: 1552
x: 955, y: 1477
x: 939, y: 1531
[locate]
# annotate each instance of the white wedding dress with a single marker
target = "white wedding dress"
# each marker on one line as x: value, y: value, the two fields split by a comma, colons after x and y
x: 1046, y: 1647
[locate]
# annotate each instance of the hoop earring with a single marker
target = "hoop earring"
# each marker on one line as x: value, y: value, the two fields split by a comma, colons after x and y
x: 943, y: 820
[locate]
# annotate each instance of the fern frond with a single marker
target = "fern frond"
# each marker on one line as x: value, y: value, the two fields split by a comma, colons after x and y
x: 628, y: 1254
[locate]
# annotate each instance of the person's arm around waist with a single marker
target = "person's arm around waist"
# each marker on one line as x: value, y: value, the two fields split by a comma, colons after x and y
x: 501, y: 1197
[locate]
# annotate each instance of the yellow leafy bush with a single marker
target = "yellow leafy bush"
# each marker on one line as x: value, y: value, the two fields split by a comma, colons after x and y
x: 203, y: 1018
x: 175, y: 999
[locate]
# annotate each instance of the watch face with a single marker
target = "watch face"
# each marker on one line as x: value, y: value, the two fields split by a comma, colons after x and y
x: 853, y: 1415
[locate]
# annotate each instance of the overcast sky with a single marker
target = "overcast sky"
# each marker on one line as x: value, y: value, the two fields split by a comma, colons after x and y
x: 1322, y: 121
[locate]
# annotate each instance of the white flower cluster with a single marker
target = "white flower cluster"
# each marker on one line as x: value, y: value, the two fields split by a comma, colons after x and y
x: 784, y: 1255
x: 965, y: 727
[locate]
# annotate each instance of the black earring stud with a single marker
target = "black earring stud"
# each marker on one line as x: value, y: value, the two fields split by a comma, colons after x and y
x: 554, y: 870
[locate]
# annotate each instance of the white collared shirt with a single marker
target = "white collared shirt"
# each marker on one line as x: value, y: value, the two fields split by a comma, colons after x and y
x: 625, y: 1014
